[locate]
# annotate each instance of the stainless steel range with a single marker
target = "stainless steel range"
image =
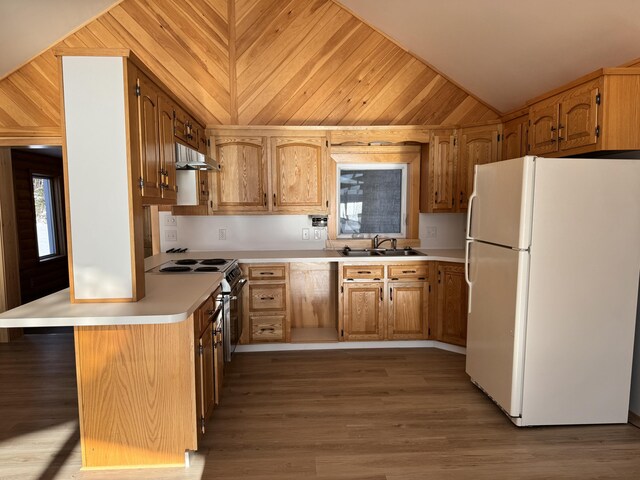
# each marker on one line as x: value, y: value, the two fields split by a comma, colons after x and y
x: 231, y: 292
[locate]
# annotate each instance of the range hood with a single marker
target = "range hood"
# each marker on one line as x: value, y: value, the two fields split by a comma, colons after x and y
x: 188, y: 158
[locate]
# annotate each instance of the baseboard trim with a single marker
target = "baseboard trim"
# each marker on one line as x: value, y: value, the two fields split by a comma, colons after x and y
x: 292, y: 347
x: 634, y: 419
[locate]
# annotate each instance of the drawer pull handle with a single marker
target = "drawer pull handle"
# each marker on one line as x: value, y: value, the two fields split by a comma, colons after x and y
x: 267, y: 298
x: 267, y: 273
x: 267, y: 329
x: 421, y: 278
x: 394, y: 278
x: 364, y: 272
x: 408, y: 271
x: 376, y: 279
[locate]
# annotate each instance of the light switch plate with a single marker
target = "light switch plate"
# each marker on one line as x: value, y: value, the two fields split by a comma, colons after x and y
x: 170, y: 221
x: 432, y: 232
x: 305, y: 234
x: 171, y: 235
x: 222, y: 234
x: 317, y: 234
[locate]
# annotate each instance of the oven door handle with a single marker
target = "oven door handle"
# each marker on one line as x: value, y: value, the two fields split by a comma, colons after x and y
x: 213, y: 314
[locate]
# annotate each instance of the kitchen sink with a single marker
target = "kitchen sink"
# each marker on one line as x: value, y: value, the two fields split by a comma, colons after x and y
x: 406, y: 252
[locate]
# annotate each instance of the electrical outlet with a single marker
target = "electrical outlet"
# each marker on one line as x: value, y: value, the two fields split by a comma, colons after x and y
x: 171, y: 235
x: 317, y: 234
x: 432, y: 232
x: 222, y: 234
x: 170, y: 221
x: 305, y: 234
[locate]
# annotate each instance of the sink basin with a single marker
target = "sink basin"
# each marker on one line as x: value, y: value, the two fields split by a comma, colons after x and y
x: 401, y: 253
x: 381, y: 253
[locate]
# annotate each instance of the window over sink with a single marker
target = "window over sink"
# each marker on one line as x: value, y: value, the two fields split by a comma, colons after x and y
x: 372, y: 200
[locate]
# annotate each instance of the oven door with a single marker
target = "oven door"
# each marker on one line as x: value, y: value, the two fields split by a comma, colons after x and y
x: 235, y: 319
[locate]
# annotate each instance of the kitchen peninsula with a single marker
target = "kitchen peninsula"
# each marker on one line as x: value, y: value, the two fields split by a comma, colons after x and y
x: 137, y: 362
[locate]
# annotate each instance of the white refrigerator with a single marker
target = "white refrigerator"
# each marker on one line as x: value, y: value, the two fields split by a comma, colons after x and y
x: 553, y: 264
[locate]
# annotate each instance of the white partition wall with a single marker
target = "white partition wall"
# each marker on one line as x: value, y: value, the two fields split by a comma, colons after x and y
x: 97, y: 168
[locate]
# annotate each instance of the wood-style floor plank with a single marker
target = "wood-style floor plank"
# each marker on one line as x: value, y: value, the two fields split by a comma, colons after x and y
x: 406, y: 414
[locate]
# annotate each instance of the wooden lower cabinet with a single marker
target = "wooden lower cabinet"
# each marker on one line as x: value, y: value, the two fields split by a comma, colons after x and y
x: 407, y: 310
x: 266, y: 303
x: 385, y: 302
x: 144, y: 389
x: 363, y: 307
x: 452, y: 304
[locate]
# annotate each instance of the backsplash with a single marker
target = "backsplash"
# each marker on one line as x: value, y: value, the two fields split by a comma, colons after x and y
x: 283, y: 232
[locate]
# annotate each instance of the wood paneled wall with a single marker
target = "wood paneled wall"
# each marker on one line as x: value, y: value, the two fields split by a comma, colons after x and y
x: 252, y: 62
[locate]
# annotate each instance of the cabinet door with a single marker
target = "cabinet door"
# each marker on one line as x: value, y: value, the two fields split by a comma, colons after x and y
x: 167, y: 149
x: 514, y: 138
x: 149, y: 140
x: 543, y: 129
x: 452, y: 304
x: 578, y: 118
x: 442, y: 164
x: 298, y: 174
x: 407, y: 310
x: 184, y: 128
x: 478, y: 145
x: 363, y: 311
x: 218, y: 362
x: 242, y: 181
x: 207, y: 386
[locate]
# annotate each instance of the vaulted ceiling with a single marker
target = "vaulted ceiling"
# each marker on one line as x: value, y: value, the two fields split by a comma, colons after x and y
x: 509, y: 51
x: 302, y: 62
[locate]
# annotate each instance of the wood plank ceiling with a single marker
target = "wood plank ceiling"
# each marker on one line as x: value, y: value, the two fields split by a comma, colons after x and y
x: 296, y: 62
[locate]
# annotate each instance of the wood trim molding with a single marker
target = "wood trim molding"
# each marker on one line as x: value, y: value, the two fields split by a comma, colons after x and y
x: 233, y: 77
x: 9, y: 268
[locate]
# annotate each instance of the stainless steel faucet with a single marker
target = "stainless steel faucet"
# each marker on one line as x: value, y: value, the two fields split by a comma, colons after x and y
x: 377, y: 242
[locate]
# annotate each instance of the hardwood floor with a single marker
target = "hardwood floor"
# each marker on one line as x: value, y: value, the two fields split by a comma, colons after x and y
x: 404, y: 414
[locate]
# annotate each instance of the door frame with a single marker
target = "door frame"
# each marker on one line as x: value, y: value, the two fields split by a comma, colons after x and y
x: 9, y: 266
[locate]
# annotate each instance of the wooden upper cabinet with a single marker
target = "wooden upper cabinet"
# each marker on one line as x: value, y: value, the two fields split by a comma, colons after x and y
x: 363, y: 311
x: 543, y: 129
x: 514, y: 137
x: 595, y: 113
x: 478, y: 145
x: 579, y: 117
x: 298, y: 171
x: 242, y: 180
x: 148, y: 108
x: 167, y: 149
x: 438, y: 177
x: 452, y: 304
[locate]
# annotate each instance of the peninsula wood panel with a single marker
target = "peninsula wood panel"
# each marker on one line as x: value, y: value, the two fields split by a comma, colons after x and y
x: 303, y: 62
x: 136, y: 389
x: 314, y: 294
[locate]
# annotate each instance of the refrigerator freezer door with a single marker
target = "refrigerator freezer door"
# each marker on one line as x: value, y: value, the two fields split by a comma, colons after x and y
x: 497, y: 318
x: 501, y: 204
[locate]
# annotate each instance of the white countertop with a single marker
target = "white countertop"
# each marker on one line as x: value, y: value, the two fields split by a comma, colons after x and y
x: 301, y: 256
x: 168, y: 299
x: 172, y: 298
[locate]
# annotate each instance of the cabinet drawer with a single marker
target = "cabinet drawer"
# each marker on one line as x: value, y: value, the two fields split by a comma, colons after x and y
x: 405, y: 272
x: 368, y: 272
x: 204, y: 314
x: 267, y: 328
x: 267, y: 272
x: 264, y: 297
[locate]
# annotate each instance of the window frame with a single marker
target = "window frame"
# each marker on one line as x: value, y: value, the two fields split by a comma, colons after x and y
x: 57, y: 206
x: 410, y: 155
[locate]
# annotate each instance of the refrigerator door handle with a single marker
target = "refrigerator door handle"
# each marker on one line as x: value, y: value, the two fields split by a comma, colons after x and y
x: 467, y: 275
x: 470, y: 212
